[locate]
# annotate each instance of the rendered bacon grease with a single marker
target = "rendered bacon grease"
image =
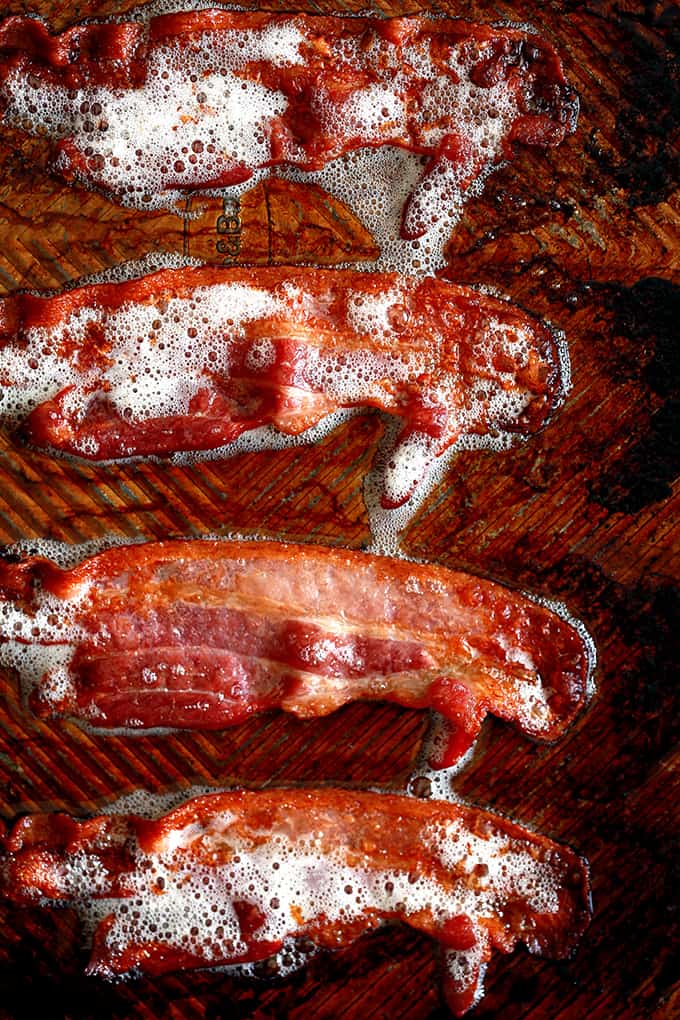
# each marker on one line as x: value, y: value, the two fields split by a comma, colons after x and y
x: 191, y: 359
x: 148, y: 109
x: 235, y: 877
x: 204, y: 634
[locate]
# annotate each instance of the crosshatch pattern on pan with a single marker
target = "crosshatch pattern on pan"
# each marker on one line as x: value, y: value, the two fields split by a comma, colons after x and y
x: 586, y: 236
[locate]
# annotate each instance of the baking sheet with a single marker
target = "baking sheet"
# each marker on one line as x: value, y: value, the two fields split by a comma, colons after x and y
x: 585, y: 235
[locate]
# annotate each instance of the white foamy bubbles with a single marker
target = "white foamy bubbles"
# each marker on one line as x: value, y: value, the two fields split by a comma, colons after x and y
x: 151, y: 358
x: 215, y: 886
x: 214, y: 121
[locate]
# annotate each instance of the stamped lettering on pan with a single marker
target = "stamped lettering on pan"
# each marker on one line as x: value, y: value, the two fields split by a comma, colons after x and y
x: 401, y: 119
x: 228, y: 227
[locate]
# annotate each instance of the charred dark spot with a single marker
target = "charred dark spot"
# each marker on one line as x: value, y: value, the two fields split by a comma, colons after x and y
x: 29, y: 989
x: 639, y: 697
x: 501, y: 57
x: 645, y: 474
x: 647, y: 164
x: 635, y: 630
x: 558, y: 205
x: 647, y: 314
x: 648, y: 621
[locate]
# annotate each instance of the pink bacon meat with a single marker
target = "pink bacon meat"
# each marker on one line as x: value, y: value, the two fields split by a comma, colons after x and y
x: 191, y: 359
x: 232, y: 92
x: 229, y: 877
x: 204, y: 634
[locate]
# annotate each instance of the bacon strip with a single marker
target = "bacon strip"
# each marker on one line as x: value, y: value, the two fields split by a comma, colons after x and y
x: 190, y: 359
x: 202, y: 99
x: 205, y: 633
x: 229, y: 877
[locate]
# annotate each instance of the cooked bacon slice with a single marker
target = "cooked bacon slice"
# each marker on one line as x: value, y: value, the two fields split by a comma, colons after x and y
x: 203, y: 98
x: 205, y: 633
x: 190, y: 359
x: 229, y: 877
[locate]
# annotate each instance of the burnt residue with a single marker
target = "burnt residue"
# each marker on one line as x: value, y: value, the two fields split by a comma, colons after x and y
x: 618, y: 775
x: 638, y: 326
x: 646, y: 694
x: 667, y: 976
x: 645, y: 474
x: 641, y: 695
x: 635, y: 629
x: 645, y: 974
x: 647, y: 316
x: 650, y: 312
x: 27, y: 985
x: 647, y: 163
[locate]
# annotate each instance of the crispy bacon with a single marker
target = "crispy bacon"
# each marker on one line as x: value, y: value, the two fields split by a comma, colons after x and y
x: 229, y: 877
x: 203, y: 98
x: 190, y: 359
x: 205, y: 633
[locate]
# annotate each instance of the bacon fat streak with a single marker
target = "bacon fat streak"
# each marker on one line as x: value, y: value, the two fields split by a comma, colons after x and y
x: 229, y: 877
x: 204, y: 634
x: 204, y: 98
x: 190, y: 359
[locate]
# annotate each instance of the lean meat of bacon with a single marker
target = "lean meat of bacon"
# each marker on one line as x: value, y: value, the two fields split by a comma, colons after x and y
x: 205, y: 633
x: 232, y: 877
x: 203, y: 98
x: 190, y: 359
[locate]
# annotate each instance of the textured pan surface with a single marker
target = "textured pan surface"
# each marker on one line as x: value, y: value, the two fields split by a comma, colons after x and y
x: 587, y: 236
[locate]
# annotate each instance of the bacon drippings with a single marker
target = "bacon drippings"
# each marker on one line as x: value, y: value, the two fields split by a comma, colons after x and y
x: 233, y: 92
x: 191, y: 359
x: 229, y: 877
x: 205, y: 633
